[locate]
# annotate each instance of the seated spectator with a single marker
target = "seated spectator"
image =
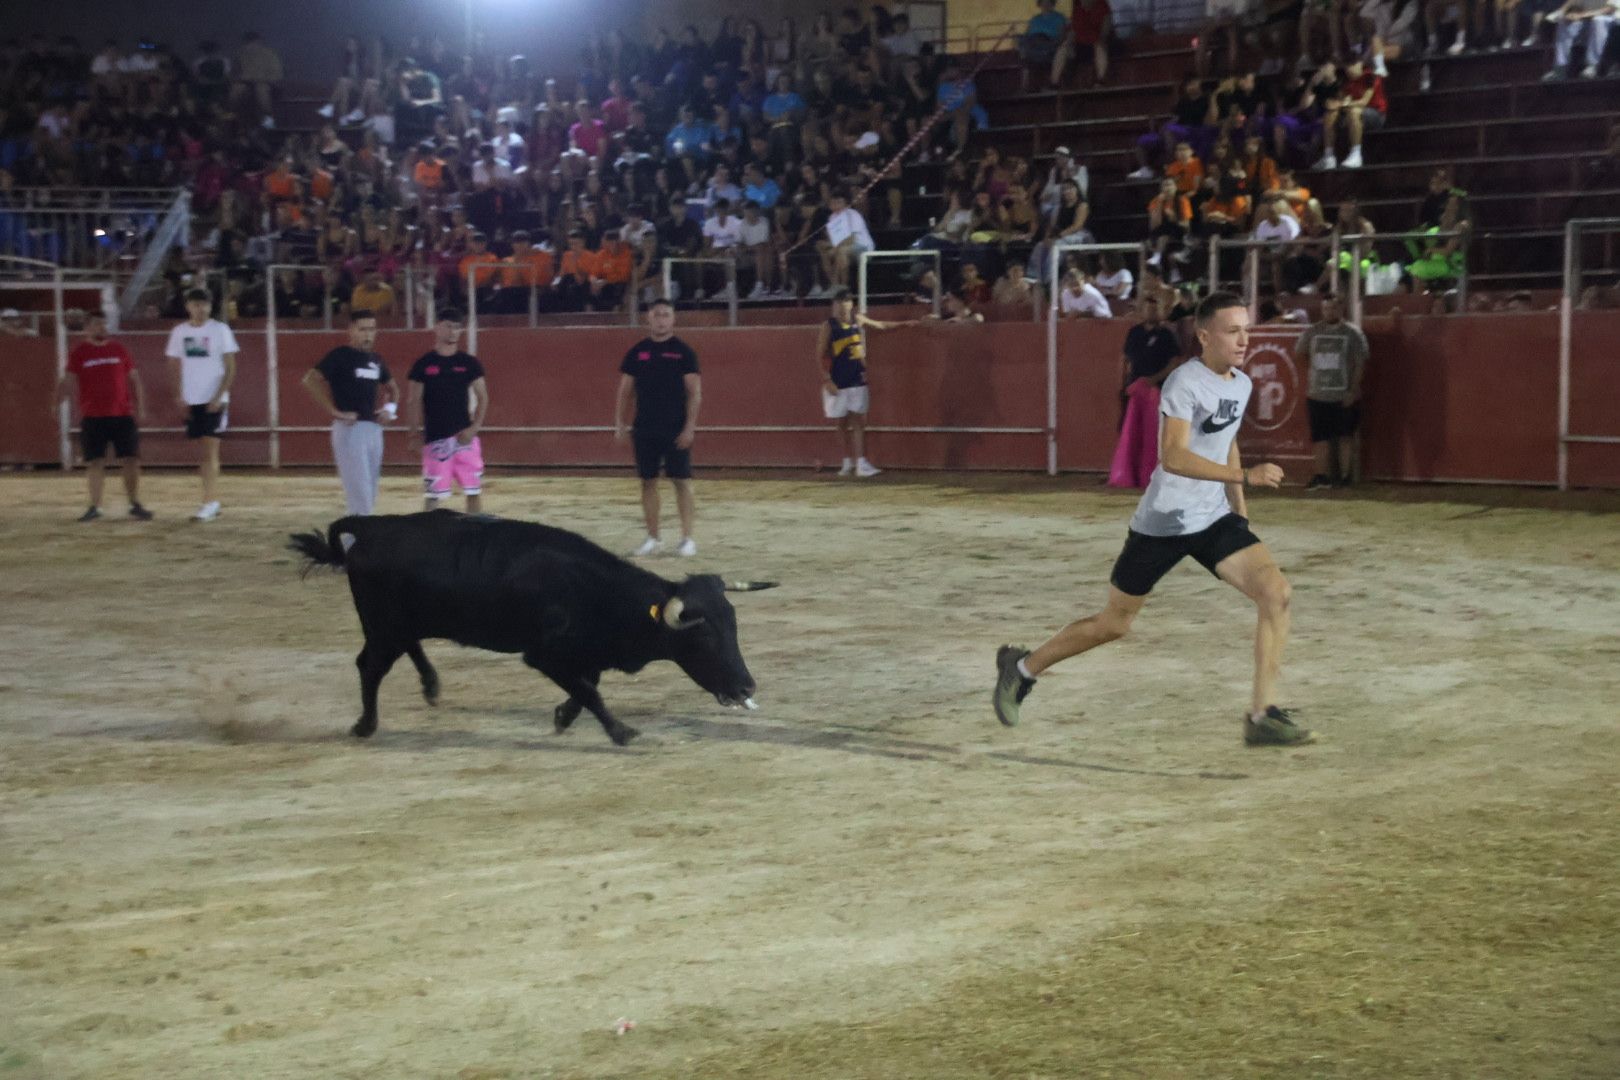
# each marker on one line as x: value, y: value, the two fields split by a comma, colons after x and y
x: 902, y: 40
x: 958, y: 100
x: 12, y: 325
x: 609, y: 272
x: 1226, y: 214
x: 1042, y: 41
x: 1388, y: 29
x: 1299, y: 113
x: 1186, y: 170
x: 1065, y: 169
x: 1192, y: 121
x: 1295, y: 194
x: 721, y: 188
x: 722, y: 235
x: 689, y: 138
x: 1362, y: 107
x: 957, y: 309
x: 527, y: 270
x: 1258, y: 166
x: 1224, y: 21
x: 258, y: 71
x: 679, y: 237
x: 1596, y: 17
x: 1087, y: 41
x: 846, y: 238
x: 373, y: 294
x: 755, y: 237
x: 1081, y: 300
x: 1439, y: 261
x: 974, y: 289
x: 1014, y: 289
x: 573, y: 282
x: 1280, y: 230
x: 1115, y: 281
x: 1068, y: 223
x: 1170, y: 223
x: 484, y: 266
x: 641, y: 236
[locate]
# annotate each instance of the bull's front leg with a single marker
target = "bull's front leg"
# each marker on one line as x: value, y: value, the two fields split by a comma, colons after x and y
x: 566, y: 713
x: 582, y: 689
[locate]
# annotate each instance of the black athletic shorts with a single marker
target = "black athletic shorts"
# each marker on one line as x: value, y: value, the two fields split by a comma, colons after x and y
x: 1146, y: 559
x: 99, y: 432
x: 656, y: 451
x: 202, y: 424
x: 1330, y: 420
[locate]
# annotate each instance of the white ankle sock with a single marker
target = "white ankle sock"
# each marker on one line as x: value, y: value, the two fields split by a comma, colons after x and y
x: 1024, y: 671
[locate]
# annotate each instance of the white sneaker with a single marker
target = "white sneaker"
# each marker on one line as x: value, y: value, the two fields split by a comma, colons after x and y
x: 688, y: 548
x: 1380, y: 68
x: 699, y: 294
x: 650, y: 546
x: 1458, y: 46
x: 354, y: 116
x: 727, y: 292
x: 268, y: 123
x: 208, y: 511
x: 1425, y: 79
x: 1589, y: 71
x: 1144, y: 173
x: 325, y: 110
x: 1530, y: 42
x: 1328, y: 161
x: 1353, y: 161
x: 758, y: 292
x: 848, y: 468
x: 864, y: 468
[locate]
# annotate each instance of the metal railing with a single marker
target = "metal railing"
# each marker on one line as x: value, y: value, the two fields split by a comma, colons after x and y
x: 1360, y: 243
x: 730, y: 266
x: 85, y: 228
x: 910, y: 254
x: 1574, y: 280
x: 1055, y: 261
x: 174, y: 228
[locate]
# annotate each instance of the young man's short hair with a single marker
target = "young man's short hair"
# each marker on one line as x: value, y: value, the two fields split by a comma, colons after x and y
x: 449, y: 315
x: 521, y: 236
x: 1215, y: 303
x: 361, y: 313
x: 840, y: 293
x: 198, y: 294
x: 722, y: 204
x: 662, y: 301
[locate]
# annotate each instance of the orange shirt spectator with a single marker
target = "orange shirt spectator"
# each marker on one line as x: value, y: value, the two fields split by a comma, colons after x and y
x: 612, y: 263
x: 1296, y: 194
x: 1187, y: 174
x: 480, y: 258
x: 519, y: 271
x: 321, y: 186
x: 429, y: 174
x: 576, y: 264
x: 281, y: 185
x: 1236, y: 208
x: 1181, y: 210
x: 1262, y: 173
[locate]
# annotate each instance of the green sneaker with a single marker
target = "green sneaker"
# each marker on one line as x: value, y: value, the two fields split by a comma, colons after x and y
x: 1012, y: 687
x: 1276, y: 728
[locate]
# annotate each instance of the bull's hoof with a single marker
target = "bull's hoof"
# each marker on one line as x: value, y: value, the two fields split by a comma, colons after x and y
x: 623, y: 735
x: 565, y: 714
x: 363, y: 730
x: 430, y: 692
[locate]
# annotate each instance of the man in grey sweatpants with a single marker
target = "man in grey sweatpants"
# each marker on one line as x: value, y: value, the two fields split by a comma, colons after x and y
x: 348, y: 383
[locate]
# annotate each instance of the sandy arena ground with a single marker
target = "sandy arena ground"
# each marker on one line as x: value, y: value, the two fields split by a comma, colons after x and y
x: 203, y: 876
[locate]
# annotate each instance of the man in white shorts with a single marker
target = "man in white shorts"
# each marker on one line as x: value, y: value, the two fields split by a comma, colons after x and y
x: 841, y: 357
x: 1194, y: 505
x: 202, y: 360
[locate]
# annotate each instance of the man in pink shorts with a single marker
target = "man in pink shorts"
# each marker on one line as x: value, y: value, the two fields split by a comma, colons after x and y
x: 442, y: 383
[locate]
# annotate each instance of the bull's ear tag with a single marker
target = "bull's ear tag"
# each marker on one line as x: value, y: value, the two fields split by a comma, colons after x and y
x: 347, y: 540
x: 654, y: 614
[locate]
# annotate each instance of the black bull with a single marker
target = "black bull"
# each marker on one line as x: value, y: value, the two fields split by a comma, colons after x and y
x: 572, y: 609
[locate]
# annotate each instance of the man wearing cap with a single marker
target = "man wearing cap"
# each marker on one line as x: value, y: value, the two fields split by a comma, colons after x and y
x: 1064, y: 170
x: 346, y: 384
x: 11, y: 324
x: 439, y: 417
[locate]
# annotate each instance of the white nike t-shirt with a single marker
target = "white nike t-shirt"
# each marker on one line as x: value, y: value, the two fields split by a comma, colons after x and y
x: 201, y: 351
x: 1213, y: 407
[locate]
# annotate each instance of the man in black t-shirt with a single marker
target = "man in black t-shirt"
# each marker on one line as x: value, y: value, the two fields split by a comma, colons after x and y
x: 441, y: 382
x: 347, y: 383
x: 660, y: 373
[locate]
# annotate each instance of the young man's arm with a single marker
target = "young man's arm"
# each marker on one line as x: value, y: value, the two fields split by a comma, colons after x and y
x: 1234, y: 492
x: 621, y: 407
x: 871, y: 323
x: 66, y: 391
x: 824, y: 362
x: 694, y: 399
x: 137, y: 394
x: 224, y: 384
x: 390, y: 392
x: 315, y: 383
x: 480, y: 391
x: 1177, y: 457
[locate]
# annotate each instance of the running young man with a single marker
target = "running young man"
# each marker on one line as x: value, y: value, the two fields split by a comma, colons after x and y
x: 660, y: 373
x: 347, y: 383
x: 202, y: 353
x: 841, y: 356
x: 1195, y: 506
x: 110, y: 403
x: 440, y: 382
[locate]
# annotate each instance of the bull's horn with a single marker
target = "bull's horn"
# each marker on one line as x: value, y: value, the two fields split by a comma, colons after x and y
x: 750, y: 586
x: 672, y: 612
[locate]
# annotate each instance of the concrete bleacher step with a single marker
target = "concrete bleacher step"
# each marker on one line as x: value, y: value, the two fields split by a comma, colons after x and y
x: 1496, y: 100
x: 1129, y: 66
x: 1563, y: 132
x: 1515, y: 66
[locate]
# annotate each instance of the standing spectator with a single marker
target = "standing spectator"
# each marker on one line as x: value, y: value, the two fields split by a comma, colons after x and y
x: 1363, y: 108
x: 1596, y: 16
x: 1149, y: 355
x: 202, y: 353
x: 1043, y: 42
x: 841, y: 358
x: 258, y: 69
x: 1335, y: 353
x: 847, y: 238
x: 1080, y: 298
x: 102, y: 379
x: 903, y: 41
x: 1090, y: 29
x: 1115, y: 281
x: 345, y: 383
x: 659, y: 375
x: 439, y: 418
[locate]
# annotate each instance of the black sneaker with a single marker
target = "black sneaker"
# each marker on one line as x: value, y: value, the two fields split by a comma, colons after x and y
x: 1275, y: 728
x: 139, y: 512
x: 1318, y: 482
x: 91, y: 514
x: 1012, y: 686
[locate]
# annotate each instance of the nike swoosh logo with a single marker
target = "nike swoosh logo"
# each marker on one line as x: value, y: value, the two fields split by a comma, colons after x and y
x: 1210, y: 427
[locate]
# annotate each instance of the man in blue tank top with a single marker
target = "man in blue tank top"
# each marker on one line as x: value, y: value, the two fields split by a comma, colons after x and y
x: 841, y: 356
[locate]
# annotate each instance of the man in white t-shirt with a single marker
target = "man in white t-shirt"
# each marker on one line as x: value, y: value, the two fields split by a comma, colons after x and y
x: 1279, y: 228
x: 754, y: 237
x: 722, y: 235
x: 202, y: 360
x: 1194, y: 505
x: 847, y: 236
x: 1115, y: 280
x: 1081, y: 299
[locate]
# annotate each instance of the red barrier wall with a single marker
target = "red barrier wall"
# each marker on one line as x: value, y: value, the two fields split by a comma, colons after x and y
x: 1458, y: 398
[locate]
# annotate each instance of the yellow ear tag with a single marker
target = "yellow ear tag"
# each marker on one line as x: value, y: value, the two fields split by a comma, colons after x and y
x: 653, y: 612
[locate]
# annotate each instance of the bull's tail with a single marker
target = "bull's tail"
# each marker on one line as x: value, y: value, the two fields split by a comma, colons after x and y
x: 317, y: 548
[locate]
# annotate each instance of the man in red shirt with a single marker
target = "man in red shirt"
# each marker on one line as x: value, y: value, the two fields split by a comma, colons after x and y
x: 1362, y: 107
x: 110, y: 400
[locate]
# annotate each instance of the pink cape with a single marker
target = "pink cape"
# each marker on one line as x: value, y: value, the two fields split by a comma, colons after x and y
x: 1137, y: 454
